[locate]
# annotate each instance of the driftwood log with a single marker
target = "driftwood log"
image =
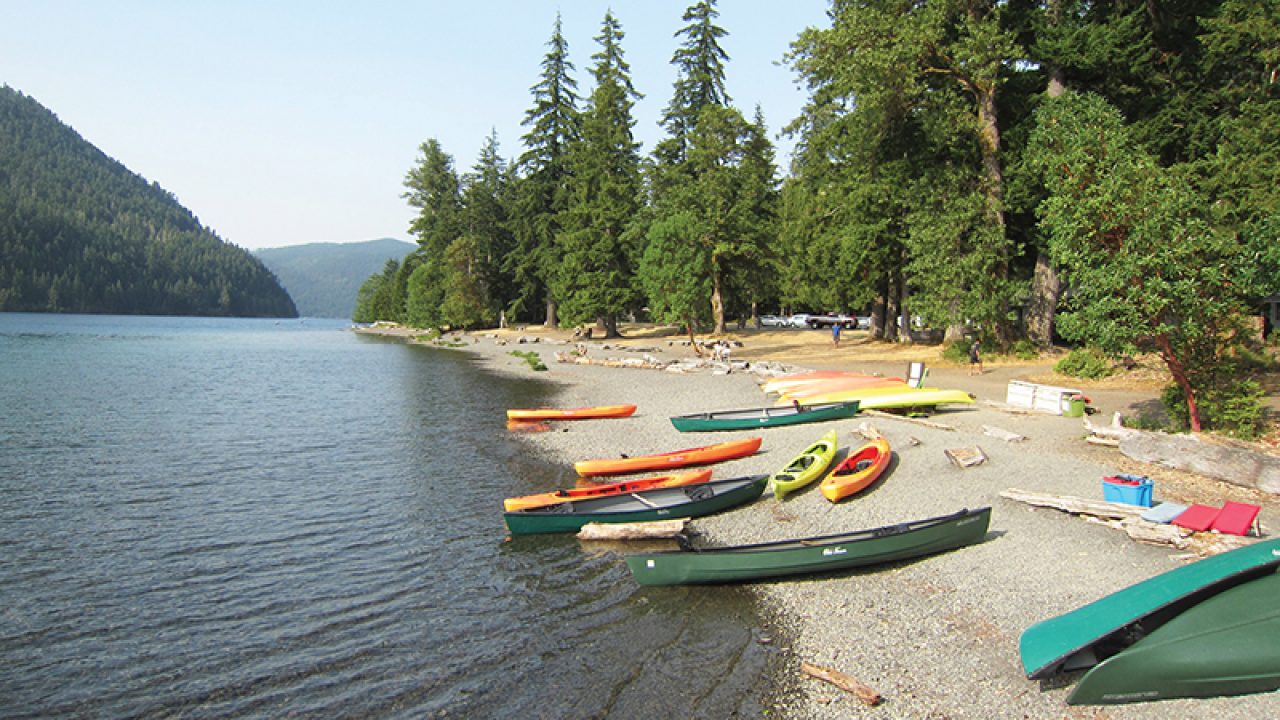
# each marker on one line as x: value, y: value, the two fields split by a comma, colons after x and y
x: 845, y: 682
x: 1122, y: 516
x: 655, y: 530
x: 1217, y: 458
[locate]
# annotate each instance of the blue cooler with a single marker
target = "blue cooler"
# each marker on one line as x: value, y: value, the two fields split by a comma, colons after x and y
x: 1128, y: 489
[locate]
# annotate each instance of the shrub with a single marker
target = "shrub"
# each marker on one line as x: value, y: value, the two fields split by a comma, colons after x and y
x: 958, y: 351
x: 1085, y: 363
x: 1024, y: 349
x: 1231, y: 405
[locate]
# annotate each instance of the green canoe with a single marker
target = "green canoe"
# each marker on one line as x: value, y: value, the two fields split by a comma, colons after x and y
x: 1090, y: 633
x: 1226, y: 645
x: 807, y: 466
x: 811, y: 555
x: 764, y: 417
x: 640, y: 506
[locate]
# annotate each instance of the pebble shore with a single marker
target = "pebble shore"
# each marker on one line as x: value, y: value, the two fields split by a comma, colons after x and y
x: 936, y: 637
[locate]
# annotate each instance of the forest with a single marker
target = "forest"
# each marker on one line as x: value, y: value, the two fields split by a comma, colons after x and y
x: 81, y: 233
x: 1025, y: 172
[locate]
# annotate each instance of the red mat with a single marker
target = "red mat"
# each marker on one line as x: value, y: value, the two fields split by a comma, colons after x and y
x: 1197, y: 517
x: 1235, y: 518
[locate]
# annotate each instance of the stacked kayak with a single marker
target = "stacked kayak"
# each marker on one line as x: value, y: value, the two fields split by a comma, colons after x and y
x: 806, y: 467
x: 705, y: 455
x: 642, y: 506
x: 811, y: 555
x: 600, y: 490
x: 871, y: 391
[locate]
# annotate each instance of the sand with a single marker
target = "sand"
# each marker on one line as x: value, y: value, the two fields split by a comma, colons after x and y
x: 937, y: 637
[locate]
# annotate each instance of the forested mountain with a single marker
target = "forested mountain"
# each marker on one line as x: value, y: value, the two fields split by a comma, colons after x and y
x: 79, y: 232
x: 323, y: 278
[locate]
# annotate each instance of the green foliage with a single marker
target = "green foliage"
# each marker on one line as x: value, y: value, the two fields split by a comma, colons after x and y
x: 958, y: 351
x: 1085, y: 363
x: 1025, y: 349
x: 675, y: 272
x: 1228, y: 403
x: 79, y: 232
x: 534, y: 360
x: 1146, y: 267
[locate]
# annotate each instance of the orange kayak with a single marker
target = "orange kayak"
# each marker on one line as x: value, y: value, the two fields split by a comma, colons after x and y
x: 589, y: 413
x: 857, y: 471
x: 667, y: 461
x: 783, y: 383
x: 836, y: 384
x: 556, y: 497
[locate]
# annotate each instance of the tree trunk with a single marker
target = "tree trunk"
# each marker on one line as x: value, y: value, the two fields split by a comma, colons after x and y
x: 1046, y: 287
x: 904, y: 315
x: 693, y: 342
x: 551, y: 314
x: 1179, y: 374
x: 717, y: 301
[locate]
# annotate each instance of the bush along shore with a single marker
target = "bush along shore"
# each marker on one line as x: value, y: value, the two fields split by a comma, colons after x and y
x: 933, y: 637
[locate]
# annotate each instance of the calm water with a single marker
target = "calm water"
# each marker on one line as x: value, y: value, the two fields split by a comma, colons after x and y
x: 252, y: 518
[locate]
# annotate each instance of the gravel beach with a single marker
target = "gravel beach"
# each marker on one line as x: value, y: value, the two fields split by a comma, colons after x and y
x: 936, y: 637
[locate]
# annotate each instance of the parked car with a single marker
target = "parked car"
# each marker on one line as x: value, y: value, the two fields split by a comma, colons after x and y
x: 844, y: 321
x: 774, y: 321
x: 799, y: 320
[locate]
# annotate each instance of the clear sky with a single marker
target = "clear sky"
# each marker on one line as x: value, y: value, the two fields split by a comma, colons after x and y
x: 283, y: 123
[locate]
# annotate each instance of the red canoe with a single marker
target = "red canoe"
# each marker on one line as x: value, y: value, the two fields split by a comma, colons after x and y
x: 589, y: 413
x: 667, y: 461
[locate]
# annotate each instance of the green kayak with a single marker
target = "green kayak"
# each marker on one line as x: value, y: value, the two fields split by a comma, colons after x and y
x: 807, y: 466
x: 1088, y: 634
x: 764, y: 417
x: 640, y: 506
x: 1226, y: 645
x: 811, y: 555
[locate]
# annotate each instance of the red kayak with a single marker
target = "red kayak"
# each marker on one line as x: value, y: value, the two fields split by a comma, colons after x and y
x: 555, y: 497
x: 667, y: 461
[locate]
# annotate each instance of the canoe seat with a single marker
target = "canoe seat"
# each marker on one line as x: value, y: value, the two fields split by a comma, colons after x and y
x: 1236, y: 518
x: 863, y: 465
x: 699, y: 492
x: 1197, y: 517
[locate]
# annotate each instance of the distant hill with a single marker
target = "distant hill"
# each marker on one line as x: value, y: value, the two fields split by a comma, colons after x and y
x: 79, y: 232
x: 323, y: 278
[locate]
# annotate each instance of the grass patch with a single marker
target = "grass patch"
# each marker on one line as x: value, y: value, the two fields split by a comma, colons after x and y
x: 534, y: 360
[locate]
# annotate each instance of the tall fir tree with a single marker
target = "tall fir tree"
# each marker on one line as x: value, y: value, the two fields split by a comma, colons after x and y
x: 541, y: 193
x: 595, y: 276
x: 432, y: 187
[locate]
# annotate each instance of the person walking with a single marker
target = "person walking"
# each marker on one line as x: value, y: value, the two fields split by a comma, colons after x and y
x: 975, y: 359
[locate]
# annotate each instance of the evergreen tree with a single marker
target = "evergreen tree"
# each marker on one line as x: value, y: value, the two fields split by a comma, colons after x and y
x: 596, y: 274
x: 486, y: 222
x: 434, y: 189
x: 541, y: 195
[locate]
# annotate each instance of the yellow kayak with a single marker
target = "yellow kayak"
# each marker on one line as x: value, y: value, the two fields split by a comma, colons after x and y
x: 806, y: 467
x: 889, y: 398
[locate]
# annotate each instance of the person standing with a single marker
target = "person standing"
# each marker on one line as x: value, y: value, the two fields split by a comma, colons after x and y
x: 975, y: 359
x: 835, y: 334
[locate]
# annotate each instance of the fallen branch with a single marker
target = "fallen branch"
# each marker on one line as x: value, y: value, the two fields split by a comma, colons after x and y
x: 1075, y: 505
x: 916, y: 421
x: 848, y: 683
x: 657, y: 529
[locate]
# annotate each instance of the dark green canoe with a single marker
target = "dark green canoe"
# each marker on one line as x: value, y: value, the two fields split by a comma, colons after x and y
x: 764, y: 417
x: 642, y: 506
x: 811, y: 555
x: 1228, y: 644
x: 1088, y: 634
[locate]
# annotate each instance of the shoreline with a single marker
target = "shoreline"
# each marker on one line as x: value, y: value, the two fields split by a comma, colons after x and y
x: 936, y: 637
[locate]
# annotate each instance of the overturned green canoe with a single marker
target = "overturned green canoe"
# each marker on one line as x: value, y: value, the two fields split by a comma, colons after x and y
x: 1228, y: 644
x: 811, y: 555
x: 640, y: 506
x: 764, y: 417
x: 1088, y: 634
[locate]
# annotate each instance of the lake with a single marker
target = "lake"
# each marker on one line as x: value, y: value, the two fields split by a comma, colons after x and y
x: 259, y: 518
